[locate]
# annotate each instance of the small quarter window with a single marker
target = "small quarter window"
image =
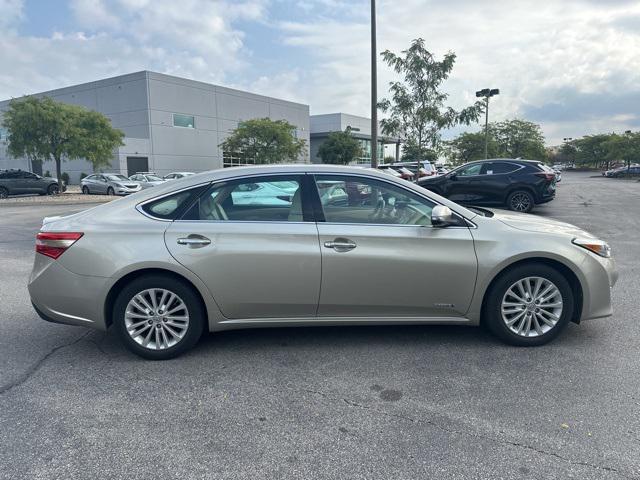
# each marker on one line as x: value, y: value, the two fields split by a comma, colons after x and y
x: 167, y: 208
x: 185, y: 121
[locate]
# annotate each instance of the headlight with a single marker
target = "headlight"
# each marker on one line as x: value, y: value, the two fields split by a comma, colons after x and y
x: 594, y: 245
x: 119, y: 185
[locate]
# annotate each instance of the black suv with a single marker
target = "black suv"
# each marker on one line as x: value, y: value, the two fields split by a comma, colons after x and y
x: 15, y: 182
x: 515, y: 184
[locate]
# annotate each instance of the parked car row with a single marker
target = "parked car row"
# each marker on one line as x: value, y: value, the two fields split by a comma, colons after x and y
x: 632, y: 170
x: 409, y: 170
x: 117, y: 184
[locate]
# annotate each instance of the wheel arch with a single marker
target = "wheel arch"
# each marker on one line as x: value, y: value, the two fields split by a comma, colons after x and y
x: 129, y: 277
x: 567, y: 272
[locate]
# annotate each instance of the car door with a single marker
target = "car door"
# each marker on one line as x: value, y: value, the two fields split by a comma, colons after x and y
x: 30, y: 183
x: 382, y: 258
x: 464, y: 184
x: 100, y: 184
x: 259, y: 256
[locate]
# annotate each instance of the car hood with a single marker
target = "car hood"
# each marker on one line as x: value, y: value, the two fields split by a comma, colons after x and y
x: 535, y: 223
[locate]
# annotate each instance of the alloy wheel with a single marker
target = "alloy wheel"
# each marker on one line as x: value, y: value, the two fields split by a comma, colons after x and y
x: 4, y: 193
x: 532, y: 306
x: 520, y: 202
x: 156, y: 319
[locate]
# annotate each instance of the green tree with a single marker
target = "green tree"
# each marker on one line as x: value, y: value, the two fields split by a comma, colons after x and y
x: 43, y: 129
x: 340, y: 148
x: 518, y: 139
x: 263, y: 140
x: 416, y: 109
x: 470, y: 146
x: 592, y: 150
x: 623, y: 147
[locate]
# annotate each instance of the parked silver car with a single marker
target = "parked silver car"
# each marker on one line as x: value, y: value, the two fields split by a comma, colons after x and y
x: 185, y: 257
x: 147, y: 180
x: 109, y: 184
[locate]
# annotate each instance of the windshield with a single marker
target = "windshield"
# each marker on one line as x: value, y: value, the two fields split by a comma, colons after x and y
x: 153, y: 178
x: 117, y: 178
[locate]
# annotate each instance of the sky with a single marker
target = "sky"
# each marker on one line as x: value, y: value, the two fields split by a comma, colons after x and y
x: 573, y: 66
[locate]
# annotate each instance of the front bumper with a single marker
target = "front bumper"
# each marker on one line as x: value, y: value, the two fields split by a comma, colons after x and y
x: 600, y: 276
x: 126, y: 191
x: 61, y: 296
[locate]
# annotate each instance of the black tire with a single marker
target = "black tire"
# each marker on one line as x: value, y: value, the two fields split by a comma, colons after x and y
x: 492, y: 314
x: 110, y: 191
x: 85, y: 190
x: 4, y: 193
x: 53, y: 189
x: 520, y: 201
x: 184, y: 292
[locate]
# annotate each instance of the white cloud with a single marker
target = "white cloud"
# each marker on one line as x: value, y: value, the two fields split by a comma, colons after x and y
x: 529, y: 49
x: 187, y: 38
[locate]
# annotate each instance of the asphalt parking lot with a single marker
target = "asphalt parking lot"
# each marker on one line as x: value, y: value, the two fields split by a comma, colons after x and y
x: 362, y: 402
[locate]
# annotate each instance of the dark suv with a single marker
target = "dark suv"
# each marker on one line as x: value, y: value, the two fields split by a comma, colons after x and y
x: 515, y: 184
x: 15, y: 182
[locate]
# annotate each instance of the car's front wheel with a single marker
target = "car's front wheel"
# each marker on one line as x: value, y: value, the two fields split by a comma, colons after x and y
x: 520, y: 201
x: 53, y: 189
x: 85, y: 190
x: 158, y: 317
x: 529, y: 305
x: 4, y: 193
x: 110, y: 191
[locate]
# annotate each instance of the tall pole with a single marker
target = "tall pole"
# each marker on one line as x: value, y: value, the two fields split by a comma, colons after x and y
x: 374, y: 89
x: 486, y: 93
x: 486, y: 129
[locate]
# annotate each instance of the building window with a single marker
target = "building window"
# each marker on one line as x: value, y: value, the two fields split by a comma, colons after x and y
x: 185, y: 121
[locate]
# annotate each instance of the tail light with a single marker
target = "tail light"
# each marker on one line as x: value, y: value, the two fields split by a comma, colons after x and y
x: 547, y: 176
x: 54, y: 244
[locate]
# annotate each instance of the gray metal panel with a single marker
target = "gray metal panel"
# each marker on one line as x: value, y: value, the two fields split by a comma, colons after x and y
x: 235, y: 107
x: 176, y: 98
x: 183, y: 141
x: 122, y: 97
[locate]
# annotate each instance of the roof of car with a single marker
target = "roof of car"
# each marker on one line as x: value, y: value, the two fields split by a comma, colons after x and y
x: 504, y: 160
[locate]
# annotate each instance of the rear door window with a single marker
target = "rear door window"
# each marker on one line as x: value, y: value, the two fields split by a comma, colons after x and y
x: 268, y: 198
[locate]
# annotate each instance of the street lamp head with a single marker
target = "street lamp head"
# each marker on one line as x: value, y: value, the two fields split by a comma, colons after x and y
x: 487, y: 92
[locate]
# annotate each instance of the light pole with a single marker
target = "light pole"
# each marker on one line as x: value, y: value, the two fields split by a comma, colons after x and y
x: 374, y: 89
x: 487, y: 93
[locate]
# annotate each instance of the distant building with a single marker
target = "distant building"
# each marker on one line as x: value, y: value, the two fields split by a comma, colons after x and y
x: 360, y: 127
x: 170, y: 123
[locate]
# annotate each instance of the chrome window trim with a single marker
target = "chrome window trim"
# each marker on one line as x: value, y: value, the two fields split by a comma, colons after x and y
x: 139, y: 206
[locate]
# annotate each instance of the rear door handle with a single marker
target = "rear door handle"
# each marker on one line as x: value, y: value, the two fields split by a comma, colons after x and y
x: 194, y: 241
x: 340, y: 245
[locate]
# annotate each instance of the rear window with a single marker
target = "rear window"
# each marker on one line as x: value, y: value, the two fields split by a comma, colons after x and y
x: 168, y: 208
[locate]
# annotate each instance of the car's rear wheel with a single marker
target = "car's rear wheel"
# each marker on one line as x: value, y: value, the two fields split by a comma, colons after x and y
x: 85, y: 190
x: 520, y: 201
x: 53, y: 189
x: 4, y: 193
x: 158, y: 317
x: 110, y: 191
x: 529, y: 305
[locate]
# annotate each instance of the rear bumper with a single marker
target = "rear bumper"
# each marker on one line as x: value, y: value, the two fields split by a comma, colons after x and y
x: 61, y: 296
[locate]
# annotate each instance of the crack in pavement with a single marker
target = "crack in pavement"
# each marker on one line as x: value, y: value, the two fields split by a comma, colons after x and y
x: 29, y: 372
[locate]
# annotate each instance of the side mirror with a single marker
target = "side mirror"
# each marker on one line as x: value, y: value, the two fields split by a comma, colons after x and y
x: 453, y: 176
x: 441, y: 216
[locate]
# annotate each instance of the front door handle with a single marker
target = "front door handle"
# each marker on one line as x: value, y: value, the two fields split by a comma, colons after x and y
x: 194, y: 241
x: 340, y: 245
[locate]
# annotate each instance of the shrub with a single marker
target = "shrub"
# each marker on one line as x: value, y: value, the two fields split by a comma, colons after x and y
x: 65, y: 178
x: 47, y: 174
x: 83, y: 175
